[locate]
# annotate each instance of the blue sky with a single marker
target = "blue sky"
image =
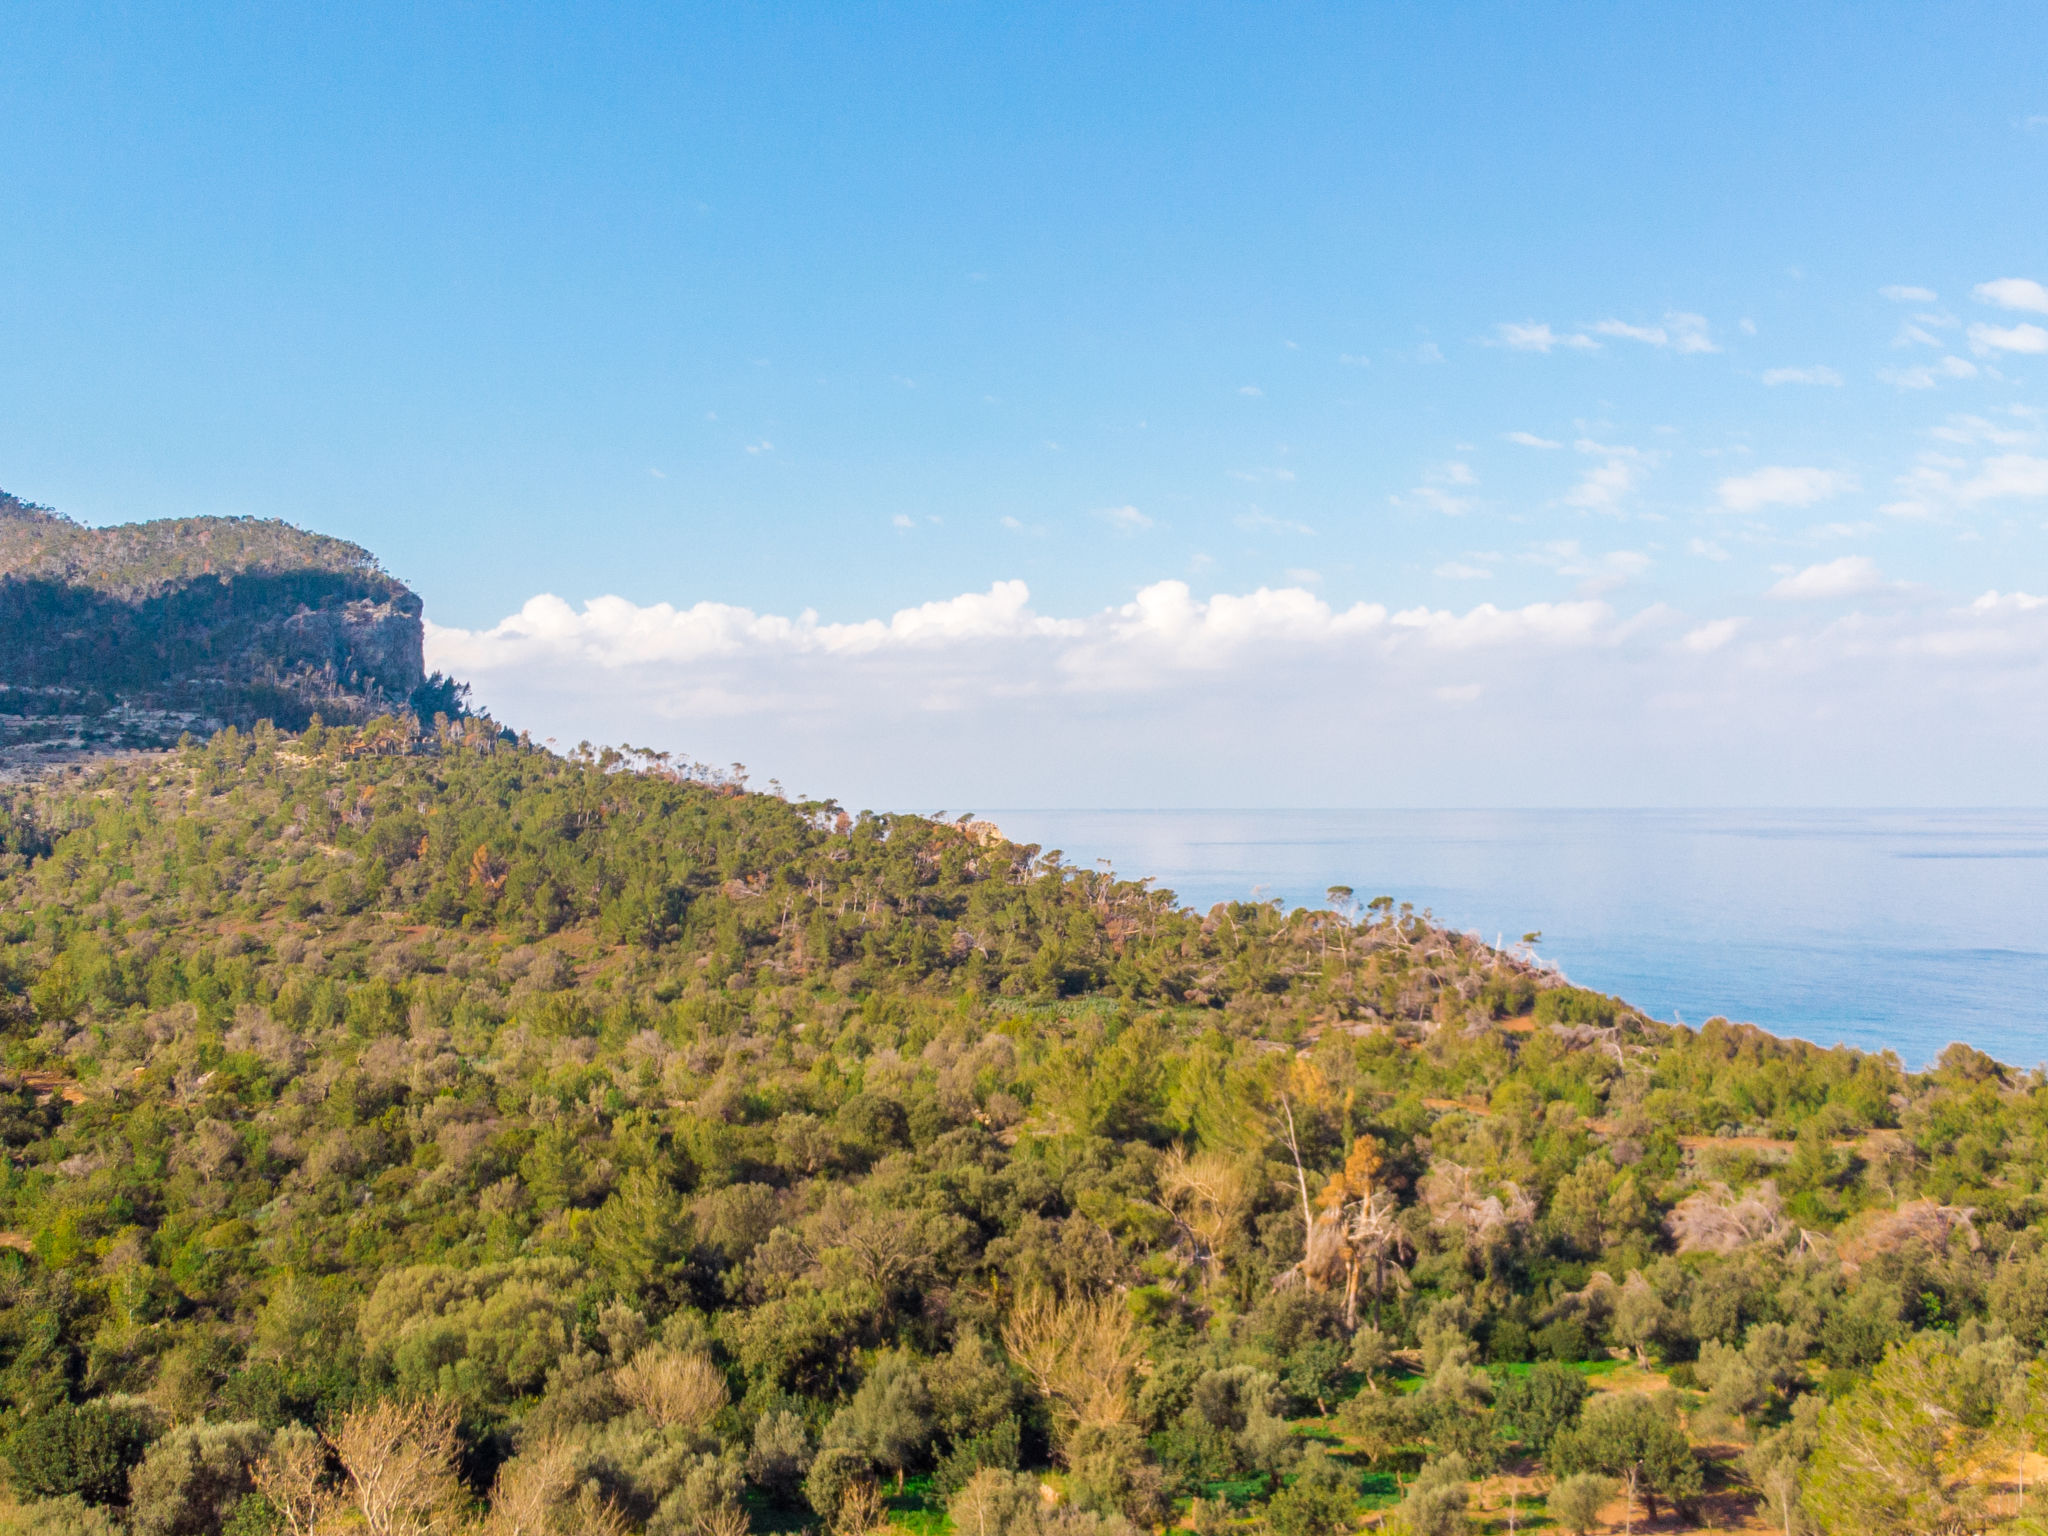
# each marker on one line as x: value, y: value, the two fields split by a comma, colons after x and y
x: 1664, y: 380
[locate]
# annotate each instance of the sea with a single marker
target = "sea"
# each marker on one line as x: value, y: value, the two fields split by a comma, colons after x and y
x: 1897, y: 930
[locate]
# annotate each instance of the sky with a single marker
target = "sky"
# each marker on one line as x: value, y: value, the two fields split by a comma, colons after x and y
x: 959, y: 405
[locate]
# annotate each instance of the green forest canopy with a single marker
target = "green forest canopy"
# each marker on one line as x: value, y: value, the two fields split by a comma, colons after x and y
x: 646, y: 1153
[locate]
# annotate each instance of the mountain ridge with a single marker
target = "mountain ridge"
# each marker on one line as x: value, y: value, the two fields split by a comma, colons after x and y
x: 128, y: 636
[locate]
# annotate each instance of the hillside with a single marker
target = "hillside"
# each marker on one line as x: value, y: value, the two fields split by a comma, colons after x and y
x: 581, y: 1144
x: 126, y: 637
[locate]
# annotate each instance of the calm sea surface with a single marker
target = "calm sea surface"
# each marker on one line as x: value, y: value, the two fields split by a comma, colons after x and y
x: 1898, y: 929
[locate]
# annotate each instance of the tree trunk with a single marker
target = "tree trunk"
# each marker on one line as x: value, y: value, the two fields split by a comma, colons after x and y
x: 1308, y: 1220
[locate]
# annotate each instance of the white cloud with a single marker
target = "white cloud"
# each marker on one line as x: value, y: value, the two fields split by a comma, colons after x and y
x: 1531, y: 440
x: 1458, y: 570
x: 611, y: 632
x: 1605, y: 486
x: 1706, y: 549
x: 1689, y: 333
x: 1165, y: 620
x: 1442, y: 487
x: 2025, y: 338
x: 1609, y: 450
x: 1901, y: 293
x: 1920, y: 331
x: 1460, y: 693
x: 1712, y: 635
x: 2006, y: 476
x: 1488, y: 626
x: 1533, y: 337
x: 1595, y: 573
x: 1252, y: 390
x: 1615, y: 568
x: 2014, y: 293
x: 1924, y: 699
x: 1978, y: 429
x: 1680, y: 331
x: 1942, y: 483
x: 1782, y: 485
x: 1176, y: 627
x: 1129, y: 519
x: 1652, y: 334
x: 902, y: 520
x: 1845, y: 577
x: 764, y: 446
x: 1818, y: 374
x: 1927, y: 376
x: 2016, y: 602
x: 1439, y: 500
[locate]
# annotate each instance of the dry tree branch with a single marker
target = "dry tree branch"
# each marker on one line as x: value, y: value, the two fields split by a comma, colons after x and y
x: 1082, y: 1355
x: 671, y: 1388
x: 400, y: 1460
x: 293, y: 1476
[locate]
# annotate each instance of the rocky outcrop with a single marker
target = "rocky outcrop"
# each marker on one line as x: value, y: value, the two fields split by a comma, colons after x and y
x: 124, y: 636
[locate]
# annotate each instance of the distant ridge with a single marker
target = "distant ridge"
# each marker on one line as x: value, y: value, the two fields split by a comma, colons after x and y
x: 127, y: 637
x: 138, y: 560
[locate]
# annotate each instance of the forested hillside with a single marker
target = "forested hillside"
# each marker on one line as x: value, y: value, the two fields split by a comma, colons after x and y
x: 427, y: 1134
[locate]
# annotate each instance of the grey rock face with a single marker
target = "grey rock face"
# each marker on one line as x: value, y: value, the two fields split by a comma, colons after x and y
x: 377, y: 641
x: 110, y: 635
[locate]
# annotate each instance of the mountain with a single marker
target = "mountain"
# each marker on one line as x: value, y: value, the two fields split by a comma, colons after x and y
x: 130, y: 636
x: 410, y: 1131
x: 415, y: 1130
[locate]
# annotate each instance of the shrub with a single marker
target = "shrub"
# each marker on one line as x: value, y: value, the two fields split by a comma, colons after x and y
x: 1576, y: 1502
x: 999, y: 1447
x: 780, y: 1456
x: 1542, y: 1403
x: 1318, y: 1500
x: 834, y: 1472
x: 191, y: 1480
x: 995, y: 1503
x: 1564, y: 1341
x: 1436, y: 1500
x: 68, y: 1516
x: 84, y: 1450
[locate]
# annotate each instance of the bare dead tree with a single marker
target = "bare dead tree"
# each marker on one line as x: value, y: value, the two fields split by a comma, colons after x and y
x: 293, y: 1477
x: 1083, y: 1355
x: 672, y: 1388
x: 400, y: 1460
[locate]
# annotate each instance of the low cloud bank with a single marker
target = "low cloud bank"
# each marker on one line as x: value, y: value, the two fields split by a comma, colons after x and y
x: 1277, y: 697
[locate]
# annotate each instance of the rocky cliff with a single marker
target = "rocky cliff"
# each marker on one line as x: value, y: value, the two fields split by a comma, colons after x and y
x: 128, y: 636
